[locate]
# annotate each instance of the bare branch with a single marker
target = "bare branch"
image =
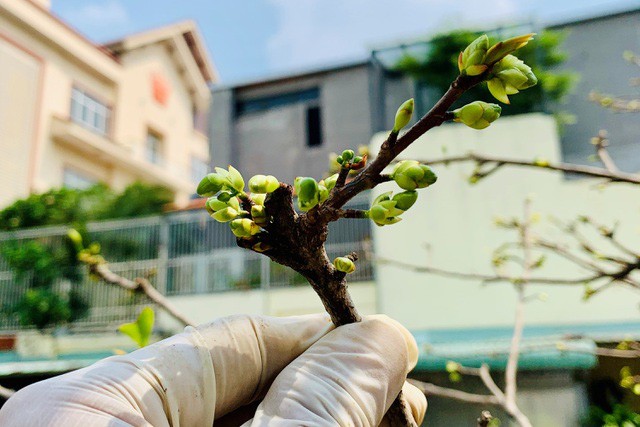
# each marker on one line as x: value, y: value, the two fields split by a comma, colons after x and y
x: 518, y: 326
x: 590, y: 171
x: 487, y: 278
x: 433, y: 390
x: 6, y: 393
x: 601, y: 143
x: 140, y: 285
x: 352, y: 213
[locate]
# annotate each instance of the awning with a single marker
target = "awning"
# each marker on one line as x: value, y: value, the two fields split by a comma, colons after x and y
x: 542, y: 348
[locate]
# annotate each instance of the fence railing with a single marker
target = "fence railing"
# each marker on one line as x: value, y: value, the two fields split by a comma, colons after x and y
x: 182, y: 253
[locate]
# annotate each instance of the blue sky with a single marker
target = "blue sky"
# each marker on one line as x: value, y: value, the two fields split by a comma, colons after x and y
x: 251, y: 39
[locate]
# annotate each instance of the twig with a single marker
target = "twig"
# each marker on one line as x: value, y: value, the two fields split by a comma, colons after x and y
x: 434, y: 390
x: 140, y: 285
x: 483, y: 277
x: 601, y: 143
x: 591, y: 171
x: 6, y: 393
x: 518, y: 327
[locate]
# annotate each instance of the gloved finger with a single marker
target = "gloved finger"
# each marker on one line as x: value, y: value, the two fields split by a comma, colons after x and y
x: 349, y: 377
x: 249, y: 351
x: 417, y: 403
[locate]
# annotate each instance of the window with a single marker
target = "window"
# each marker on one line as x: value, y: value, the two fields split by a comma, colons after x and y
x: 87, y: 111
x: 154, y: 148
x: 314, y: 126
x: 77, y: 180
x: 265, y: 103
x: 199, y: 168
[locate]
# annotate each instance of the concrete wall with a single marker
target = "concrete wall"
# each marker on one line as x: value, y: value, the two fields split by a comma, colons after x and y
x: 451, y: 226
x: 595, y: 50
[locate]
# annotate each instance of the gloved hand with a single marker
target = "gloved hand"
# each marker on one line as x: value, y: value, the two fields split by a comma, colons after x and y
x: 299, y: 370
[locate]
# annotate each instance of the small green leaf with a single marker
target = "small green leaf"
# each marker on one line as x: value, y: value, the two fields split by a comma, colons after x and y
x: 140, y: 330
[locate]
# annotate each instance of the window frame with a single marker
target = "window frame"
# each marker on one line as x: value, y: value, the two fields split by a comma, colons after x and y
x: 159, y: 156
x: 85, y: 108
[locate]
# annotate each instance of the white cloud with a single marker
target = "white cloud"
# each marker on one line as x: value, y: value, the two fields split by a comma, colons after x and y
x: 104, y: 14
x: 312, y: 32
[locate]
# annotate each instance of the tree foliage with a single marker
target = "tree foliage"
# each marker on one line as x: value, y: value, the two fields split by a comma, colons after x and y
x: 38, y: 265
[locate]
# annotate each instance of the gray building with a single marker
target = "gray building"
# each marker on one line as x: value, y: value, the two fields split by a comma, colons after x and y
x: 287, y: 126
x: 595, y: 46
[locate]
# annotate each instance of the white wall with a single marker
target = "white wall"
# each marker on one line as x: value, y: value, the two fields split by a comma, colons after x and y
x: 451, y: 226
x: 293, y: 301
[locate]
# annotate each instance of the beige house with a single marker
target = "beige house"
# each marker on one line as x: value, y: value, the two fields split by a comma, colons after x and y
x: 73, y: 113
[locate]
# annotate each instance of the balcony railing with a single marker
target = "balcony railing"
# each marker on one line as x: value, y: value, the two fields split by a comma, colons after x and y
x: 184, y: 253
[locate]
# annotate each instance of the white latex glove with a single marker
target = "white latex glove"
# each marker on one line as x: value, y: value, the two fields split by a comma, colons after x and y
x: 299, y: 369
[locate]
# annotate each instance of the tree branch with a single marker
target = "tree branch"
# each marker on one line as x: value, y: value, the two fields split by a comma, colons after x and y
x: 139, y: 285
x: 433, y: 390
x: 6, y: 393
x: 591, y: 171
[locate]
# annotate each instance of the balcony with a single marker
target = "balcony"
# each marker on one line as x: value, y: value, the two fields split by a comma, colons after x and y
x: 104, y: 150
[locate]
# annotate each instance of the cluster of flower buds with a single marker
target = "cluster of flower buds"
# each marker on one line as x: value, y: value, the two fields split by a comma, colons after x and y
x: 220, y: 180
x: 508, y: 75
x: 478, y: 114
x: 225, y: 188
x: 403, y: 115
x: 263, y: 184
x: 410, y: 174
x: 478, y: 56
x: 344, y: 265
x: 348, y: 159
x: 386, y: 210
x: 310, y: 192
x: 244, y: 228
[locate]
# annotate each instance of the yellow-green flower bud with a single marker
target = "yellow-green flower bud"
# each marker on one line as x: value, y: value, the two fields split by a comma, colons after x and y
x: 76, y: 238
x: 244, y: 228
x: 340, y: 159
x: 94, y: 248
x: 307, y: 192
x: 471, y: 60
x: 258, y: 198
x: 405, y: 200
x: 403, y: 115
x: 344, y: 265
x: 509, y: 76
x: 225, y: 215
x: 263, y: 184
x: 478, y: 114
x: 261, y: 247
x: 384, y: 210
x: 221, y: 201
x: 410, y: 174
x: 347, y: 155
x: 259, y: 215
x: 323, y: 192
x: 211, y: 184
x: 506, y: 47
x: 331, y: 181
x: 235, y: 179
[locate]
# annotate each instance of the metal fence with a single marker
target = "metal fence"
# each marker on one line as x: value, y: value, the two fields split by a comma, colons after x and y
x: 183, y: 253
